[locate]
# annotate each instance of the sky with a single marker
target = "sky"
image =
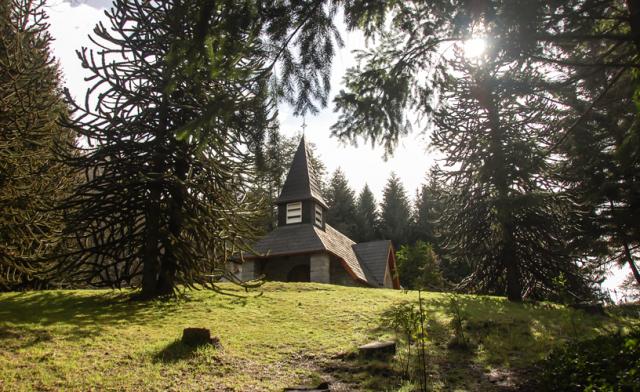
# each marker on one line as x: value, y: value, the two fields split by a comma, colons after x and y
x: 73, y: 20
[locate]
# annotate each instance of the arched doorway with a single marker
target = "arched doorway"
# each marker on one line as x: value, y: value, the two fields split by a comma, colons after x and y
x: 299, y: 273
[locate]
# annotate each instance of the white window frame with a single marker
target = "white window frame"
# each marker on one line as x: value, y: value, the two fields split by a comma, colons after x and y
x: 294, y: 212
x: 318, y: 215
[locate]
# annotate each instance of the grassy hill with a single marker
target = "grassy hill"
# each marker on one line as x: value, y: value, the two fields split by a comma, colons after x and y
x: 289, y: 334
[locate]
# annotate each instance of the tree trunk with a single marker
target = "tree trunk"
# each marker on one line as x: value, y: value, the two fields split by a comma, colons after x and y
x: 153, y: 256
x: 177, y: 192
x: 508, y: 257
x: 634, y: 21
x: 514, y: 286
x: 632, y: 264
x: 151, y: 252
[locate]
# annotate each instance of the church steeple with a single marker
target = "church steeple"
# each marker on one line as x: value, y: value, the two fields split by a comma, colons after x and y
x: 301, y: 198
x: 302, y: 181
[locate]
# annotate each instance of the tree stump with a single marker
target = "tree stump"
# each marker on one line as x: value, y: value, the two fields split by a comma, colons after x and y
x: 378, y: 349
x: 199, y: 337
x: 323, y: 387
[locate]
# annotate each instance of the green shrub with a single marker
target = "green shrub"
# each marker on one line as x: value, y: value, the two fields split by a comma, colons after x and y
x: 607, y: 363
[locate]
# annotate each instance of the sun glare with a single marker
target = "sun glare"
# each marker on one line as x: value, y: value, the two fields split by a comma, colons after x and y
x: 474, y: 47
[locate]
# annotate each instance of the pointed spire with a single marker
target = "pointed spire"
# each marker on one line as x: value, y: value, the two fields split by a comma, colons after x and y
x: 302, y: 181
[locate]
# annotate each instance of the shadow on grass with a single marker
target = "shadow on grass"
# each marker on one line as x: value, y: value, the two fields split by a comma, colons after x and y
x: 175, y: 351
x: 81, y: 313
x: 505, y: 340
x: 20, y: 338
x: 352, y: 372
x: 515, y: 335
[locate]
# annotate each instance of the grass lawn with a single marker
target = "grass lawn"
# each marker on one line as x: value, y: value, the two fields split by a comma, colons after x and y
x: 289, y: 334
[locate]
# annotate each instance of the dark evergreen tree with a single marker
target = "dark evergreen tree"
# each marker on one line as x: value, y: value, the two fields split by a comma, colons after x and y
x: 367, y: 218
x: 504, y: 222
x: 418, y: 267
x: 492, y: 118
x: 395, y: 212
x: 425, y: 214
x: 270, y: 174
x: 342, y: 205
x: 32, y: 179
x: 182, y: 92
x: 429, y: 214
x: 601, y: 150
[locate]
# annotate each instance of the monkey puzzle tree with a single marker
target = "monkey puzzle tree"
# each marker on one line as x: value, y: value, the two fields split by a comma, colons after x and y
x: 31, y: 177
x: 181, y: 100
x: 601, y: 161
x: 503, y: 220
x: 492, y: 120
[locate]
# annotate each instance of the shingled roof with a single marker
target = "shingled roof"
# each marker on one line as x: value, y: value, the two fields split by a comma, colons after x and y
x: 302, y: 180
x: 365, y: 263
x: 307, y: 238
x: 374, y: 256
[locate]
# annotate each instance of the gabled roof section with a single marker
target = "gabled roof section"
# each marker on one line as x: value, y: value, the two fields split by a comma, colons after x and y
x: 286, y: 240
x: 373, y: 256
x: 302, y: 181
x: 341, y: 246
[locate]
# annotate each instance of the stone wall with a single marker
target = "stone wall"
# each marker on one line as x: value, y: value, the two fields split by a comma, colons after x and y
x: 320, y: 268
x: 247, y: 270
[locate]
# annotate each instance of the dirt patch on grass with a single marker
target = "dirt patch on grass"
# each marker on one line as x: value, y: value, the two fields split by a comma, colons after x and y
x: 348, y: 372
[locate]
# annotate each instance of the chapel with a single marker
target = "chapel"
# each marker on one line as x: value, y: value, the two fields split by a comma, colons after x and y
x: 304, y: 248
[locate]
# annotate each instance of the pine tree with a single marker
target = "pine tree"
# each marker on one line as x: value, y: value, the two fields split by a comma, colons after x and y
x: 162, y: 204
x: 492, y: 120
x: 31, y: 177
x: 342, y: 206
x: 425, y: 215
x: 270, y: 174
x: 366, y: 217
x: 184, y: 100
x: 395, y: 215
x: 601, y: 167
x: 418, y: 267
x: 428, y: 210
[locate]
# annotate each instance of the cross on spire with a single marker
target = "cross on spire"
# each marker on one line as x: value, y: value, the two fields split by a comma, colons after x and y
x: 304, y: 125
